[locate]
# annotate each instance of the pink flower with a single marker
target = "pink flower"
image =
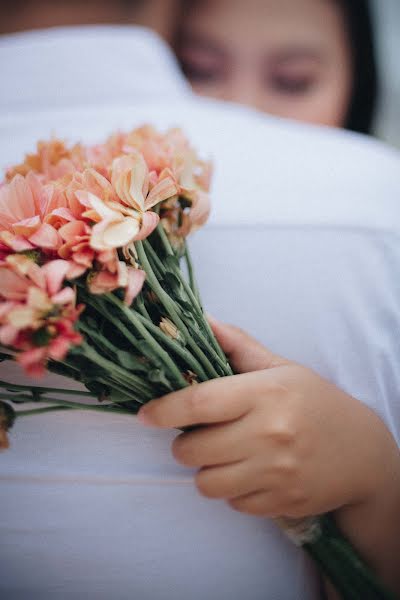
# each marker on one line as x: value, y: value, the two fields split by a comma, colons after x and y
x: 36, y: 312
x: 118, y: 211
x: 126, y: 277
x: 24, y: 206
x: 170, y: 157
x: 76, y: 248
x: 86, y: 205
x: 114, y: 228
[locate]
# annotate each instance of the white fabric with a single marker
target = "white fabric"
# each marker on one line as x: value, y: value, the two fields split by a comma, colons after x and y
x: 386, y: 20
x: 302, y: 250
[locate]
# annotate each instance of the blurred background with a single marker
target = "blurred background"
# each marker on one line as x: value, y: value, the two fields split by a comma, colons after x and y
x: 386, y: 14
x: 329, y: 62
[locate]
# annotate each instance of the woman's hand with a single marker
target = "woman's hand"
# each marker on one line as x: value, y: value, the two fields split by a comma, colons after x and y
x: 277, y: 440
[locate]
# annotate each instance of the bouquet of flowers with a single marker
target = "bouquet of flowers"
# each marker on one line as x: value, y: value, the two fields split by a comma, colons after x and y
x: 91, y: 244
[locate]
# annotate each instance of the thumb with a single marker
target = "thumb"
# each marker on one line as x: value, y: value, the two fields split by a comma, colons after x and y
x: 245, y: 354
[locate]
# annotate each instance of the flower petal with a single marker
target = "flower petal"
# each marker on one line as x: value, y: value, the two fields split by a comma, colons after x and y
x: 129, y: 177
x: 32, y: 361
x: 136, y: 278
x: 92, y: 201
x: 15, y: 242
x: 13, y: 286
x: 149, y: 223
x: 59, y: 217
x: 114, y: 234
x: 164, y: 189
x: 66, y: 296
x: 38, y: 300
x: 5, y: 307
x: 55, y: 272
x: 75, y: 270
x: 72, y: 230
x: 103, y: 282
x: 8, y: 335
x: 58, y: 348
x: 27, y: 227
x: 46, y: 237
x: 25, y: 266
x: 16, y: 201
x: 23, y: 317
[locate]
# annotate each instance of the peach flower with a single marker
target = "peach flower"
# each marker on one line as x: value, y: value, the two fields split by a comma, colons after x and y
x: 52, y: 160
x: 26, y: 210
x: 37, y: 314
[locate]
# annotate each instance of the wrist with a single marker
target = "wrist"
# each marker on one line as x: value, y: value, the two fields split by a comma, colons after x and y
x: 377, y: 465
x: 372, y: 524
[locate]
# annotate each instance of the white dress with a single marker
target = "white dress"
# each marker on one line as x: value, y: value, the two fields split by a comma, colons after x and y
x: 302, y: 250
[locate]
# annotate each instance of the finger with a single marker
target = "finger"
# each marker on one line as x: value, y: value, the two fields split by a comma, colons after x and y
x: 219, y: 400
x: 259, y: 503
x: 213, y: 445
x: 245, y: 354
x: 228, y: 481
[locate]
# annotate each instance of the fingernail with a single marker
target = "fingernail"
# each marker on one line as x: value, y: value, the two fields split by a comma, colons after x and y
x: 212, y: 320
x: 143, y: 417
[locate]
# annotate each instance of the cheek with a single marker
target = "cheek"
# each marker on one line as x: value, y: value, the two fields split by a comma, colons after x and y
x: 329, y: 104
x: 216, y: 89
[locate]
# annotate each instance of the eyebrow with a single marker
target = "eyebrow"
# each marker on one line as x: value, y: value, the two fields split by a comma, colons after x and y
x: 281, y: 55
x: 201, y: 43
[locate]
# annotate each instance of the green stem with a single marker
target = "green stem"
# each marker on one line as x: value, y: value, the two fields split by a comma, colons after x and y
x: 176, y: 347
x: 196, y: 303
x: 169, y: 305
x: 214, y: 347
x: 333, y: 548
x: 192, y: 279
x: 98, y: 305
x: 38, y: 411
x: 104, y: 345
x: 164, y: 240
x: 140, y: 305
x: 139, y: 386
x: 109, y: 382
x: 12, y: 387
x: 66, y: 404
x: 116, y: 386
x: 329, y: 567
x: 154, y: 350
x: 154, y: 345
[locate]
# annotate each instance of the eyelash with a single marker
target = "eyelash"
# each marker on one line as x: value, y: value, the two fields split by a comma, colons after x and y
x: 199, y: 74
x: 292, y: 85
x: 288, y: 85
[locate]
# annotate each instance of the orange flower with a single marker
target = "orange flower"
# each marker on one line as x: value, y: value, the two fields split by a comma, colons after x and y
x: 131, y: 180
x: 52, y: 160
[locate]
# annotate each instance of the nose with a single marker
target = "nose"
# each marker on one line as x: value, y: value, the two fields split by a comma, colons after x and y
x: 244, y: 88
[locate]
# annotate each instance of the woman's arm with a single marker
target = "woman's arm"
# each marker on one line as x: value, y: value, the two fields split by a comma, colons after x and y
x: 373, y: 525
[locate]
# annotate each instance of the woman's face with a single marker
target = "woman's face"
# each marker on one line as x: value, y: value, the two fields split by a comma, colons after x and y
x: 290, y: 58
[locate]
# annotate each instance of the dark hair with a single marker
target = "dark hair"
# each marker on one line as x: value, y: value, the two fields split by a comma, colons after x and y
x: 361, y: 112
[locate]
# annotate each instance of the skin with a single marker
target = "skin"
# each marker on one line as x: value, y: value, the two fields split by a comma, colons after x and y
x: 159, y: 15
x: 291, y: 59
x: 270, y: 447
